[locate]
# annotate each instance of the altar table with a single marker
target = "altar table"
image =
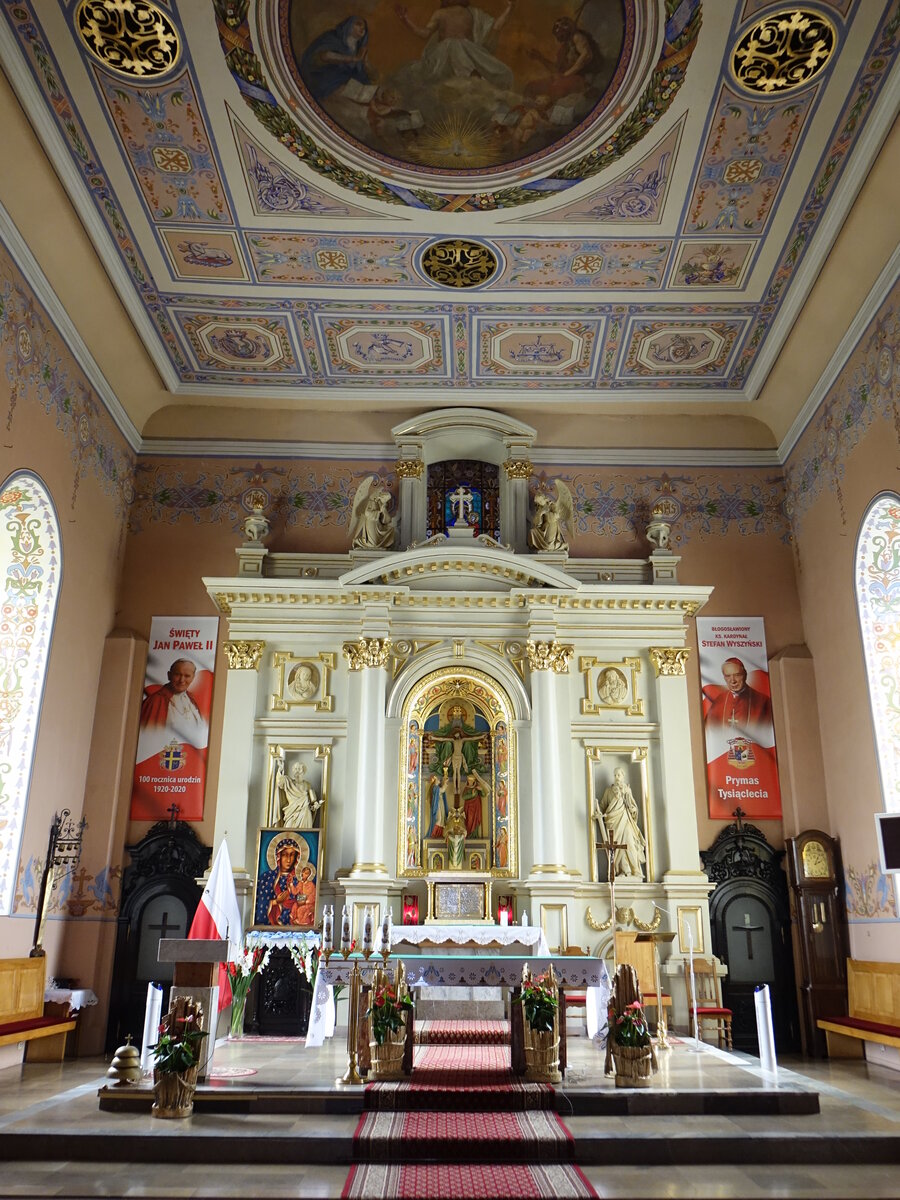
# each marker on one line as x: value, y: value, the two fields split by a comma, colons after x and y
x: 489, y: 937
x: 468, y: 970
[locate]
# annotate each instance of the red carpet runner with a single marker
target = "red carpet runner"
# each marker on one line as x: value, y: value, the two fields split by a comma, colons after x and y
x: 463, y: 1126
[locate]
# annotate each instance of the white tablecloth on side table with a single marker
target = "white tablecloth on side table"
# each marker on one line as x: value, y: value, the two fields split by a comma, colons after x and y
x: 76, y: 998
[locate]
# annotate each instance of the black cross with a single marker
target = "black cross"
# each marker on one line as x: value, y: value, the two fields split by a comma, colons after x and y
x: 749, y: 930
x: 165, y: 926
x: 174, y: 809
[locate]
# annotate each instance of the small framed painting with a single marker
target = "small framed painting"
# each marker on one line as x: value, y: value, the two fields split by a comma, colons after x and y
x: 286, y: 894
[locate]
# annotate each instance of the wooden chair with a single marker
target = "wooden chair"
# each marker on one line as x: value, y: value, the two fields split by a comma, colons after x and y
x: 708, y: 1001
x: 640, y: 956
x: 576, y: 999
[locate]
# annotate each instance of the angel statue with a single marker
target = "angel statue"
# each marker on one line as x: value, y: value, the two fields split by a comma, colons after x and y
x: 553, y: 519
x: 371, y: 525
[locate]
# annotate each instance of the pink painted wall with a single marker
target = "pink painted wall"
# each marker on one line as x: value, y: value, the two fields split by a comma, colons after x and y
x: 56, y: 426
x: 848, y: 454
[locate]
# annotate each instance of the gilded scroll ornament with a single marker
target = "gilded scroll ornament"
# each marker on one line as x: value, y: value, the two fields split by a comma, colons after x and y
x: 459, y: 263
x: 549, y: 656
x: 518, y: 468
x: 409, y: 468
x: 131, y: 37
x: 668, y: 660
x: 244, y: 656
x: 598, y: 926
x: 367, y: 652
x: 783, y: 51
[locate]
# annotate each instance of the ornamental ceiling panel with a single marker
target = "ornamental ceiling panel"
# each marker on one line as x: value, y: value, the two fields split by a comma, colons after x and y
x: 508, y: 194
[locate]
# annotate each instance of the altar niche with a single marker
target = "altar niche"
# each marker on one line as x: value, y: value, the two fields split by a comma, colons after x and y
x: 457, y: 778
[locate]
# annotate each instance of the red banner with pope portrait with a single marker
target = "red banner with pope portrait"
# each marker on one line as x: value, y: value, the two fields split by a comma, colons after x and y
x: 741, y: 765
x: 173, y: 738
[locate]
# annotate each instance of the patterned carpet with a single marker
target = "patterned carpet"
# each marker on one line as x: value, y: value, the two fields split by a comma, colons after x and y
x: 473, y: 1136
x: 480, y: 1181
x: 448, y: 1033
x: 463, y: 1126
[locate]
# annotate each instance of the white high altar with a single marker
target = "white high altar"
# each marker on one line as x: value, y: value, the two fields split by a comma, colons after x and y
x: 465, y: 701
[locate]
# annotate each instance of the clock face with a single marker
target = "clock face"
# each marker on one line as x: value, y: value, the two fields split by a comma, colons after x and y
x: 815, y: 861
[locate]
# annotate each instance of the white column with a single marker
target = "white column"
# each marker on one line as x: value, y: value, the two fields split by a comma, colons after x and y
x: 514, y: 503
x: 550, y: 755
x: 411, y: 502
x: 368, y: 658
x: 236, y: 755
x: 680, y: 854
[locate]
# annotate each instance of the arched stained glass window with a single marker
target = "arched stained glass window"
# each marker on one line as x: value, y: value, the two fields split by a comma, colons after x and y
x: 878, y: 603
x: 30, y: 573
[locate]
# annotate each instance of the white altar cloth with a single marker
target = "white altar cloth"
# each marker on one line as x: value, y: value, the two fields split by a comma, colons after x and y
x: 531, y: 936
x: 76, y: 998
x: 463, y: 971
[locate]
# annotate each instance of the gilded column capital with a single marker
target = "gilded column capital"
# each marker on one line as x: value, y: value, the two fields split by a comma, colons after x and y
x: 518, y: 468
x: 549, y: 656
x: 244, y: 656
x: 368, y: 652
x: 668, y: 660
x: 409, y: 468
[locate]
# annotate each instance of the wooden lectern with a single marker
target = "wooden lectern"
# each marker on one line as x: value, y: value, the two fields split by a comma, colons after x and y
x: 196, y: 974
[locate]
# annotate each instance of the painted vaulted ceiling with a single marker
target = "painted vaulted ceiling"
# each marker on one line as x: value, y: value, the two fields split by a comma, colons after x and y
x: 514, y: 202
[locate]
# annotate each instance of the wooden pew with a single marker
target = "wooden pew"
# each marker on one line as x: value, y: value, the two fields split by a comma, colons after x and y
x: 873, y: 997
x: 22, y: 1011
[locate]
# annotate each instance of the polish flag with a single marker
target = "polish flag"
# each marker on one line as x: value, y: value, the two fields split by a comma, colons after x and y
x: 218, y: 916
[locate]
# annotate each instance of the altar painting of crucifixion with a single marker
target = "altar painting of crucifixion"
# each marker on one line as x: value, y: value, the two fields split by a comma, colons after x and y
x: 457, y: 757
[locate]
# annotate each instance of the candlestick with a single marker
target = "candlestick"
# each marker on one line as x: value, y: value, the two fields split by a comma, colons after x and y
x: 368, y: 933
x: 346, y: 940
x: 387, y: 927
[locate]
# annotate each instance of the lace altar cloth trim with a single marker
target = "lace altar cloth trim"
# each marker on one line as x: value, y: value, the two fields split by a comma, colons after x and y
x: 479, y: 935
x: 281, y: 937
x: 466, y: 970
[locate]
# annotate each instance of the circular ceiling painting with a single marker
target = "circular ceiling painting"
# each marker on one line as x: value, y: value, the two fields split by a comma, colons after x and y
x: 456, y: 87
x: 455, y: 105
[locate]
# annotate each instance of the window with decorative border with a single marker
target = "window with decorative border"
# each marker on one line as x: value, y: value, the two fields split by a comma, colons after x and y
x: 878, y: 605
x: 31, y: 571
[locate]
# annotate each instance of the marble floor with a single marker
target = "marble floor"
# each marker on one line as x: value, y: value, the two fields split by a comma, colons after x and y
x: 856, y: 1099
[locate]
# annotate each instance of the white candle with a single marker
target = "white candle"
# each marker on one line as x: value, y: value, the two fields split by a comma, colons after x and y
x: 386, y: 931
x: 345, y: 931
x: 328, y: 928
x: 504, y: 918
x: 368, y: 931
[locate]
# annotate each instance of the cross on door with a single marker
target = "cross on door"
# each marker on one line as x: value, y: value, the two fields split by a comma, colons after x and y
x: 749, y: 930
x: 164, y: 927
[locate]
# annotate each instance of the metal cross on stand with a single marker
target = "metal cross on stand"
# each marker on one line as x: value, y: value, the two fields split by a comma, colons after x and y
x: 461, y: 502
x: 609, y: 848
x: 173, y: 810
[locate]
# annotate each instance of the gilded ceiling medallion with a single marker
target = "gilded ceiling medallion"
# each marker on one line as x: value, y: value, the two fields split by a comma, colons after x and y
x: 459, y: 263
x: 132, y: 37
x: 783, y: 51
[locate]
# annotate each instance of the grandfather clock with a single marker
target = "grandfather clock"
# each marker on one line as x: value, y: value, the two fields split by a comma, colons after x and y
x: 819, y: 928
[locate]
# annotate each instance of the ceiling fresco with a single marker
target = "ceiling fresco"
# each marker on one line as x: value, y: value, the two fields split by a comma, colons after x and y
x: 457, y: 88
x: 606, y: 197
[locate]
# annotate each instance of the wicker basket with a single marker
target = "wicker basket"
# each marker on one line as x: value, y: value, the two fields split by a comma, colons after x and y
x: 542, y: 1055
x: 387, y: 1058
x: 634, y: 1065
x: 174, y: 1093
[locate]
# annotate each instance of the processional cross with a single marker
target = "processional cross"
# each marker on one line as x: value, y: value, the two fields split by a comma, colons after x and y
x: 461, y: 502
x: 609, y: 847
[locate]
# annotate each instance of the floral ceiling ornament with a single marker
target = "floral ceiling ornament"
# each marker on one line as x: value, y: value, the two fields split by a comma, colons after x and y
x: 783, y: 51
x: 130, y: 37
x: 459, y: 263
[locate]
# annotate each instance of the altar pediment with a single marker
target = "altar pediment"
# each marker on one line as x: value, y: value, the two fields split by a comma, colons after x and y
x: 449, y: 566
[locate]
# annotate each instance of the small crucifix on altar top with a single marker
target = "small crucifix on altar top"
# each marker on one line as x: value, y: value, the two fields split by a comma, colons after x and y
x: 461, y: 503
